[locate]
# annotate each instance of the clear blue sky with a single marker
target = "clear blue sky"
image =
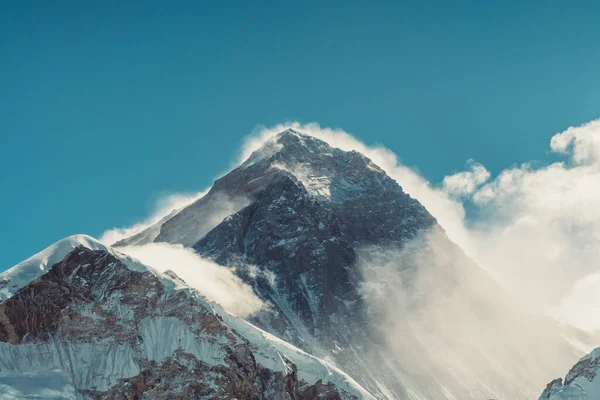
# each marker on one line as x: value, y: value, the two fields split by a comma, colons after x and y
x: 105, y: 107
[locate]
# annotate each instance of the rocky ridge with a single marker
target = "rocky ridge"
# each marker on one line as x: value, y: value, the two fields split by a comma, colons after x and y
x: 107, y: 326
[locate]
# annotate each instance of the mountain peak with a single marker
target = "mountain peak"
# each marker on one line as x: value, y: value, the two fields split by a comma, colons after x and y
x: 293, y: 139
x: 296, y: 167
x: 21, y: 274
x: 290, y: 133
x: 289, y: 144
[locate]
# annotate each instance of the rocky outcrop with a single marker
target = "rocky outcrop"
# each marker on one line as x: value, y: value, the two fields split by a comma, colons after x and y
x: 120, y: 330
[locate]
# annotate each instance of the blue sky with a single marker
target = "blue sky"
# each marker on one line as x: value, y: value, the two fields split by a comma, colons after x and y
x: 105, y: 108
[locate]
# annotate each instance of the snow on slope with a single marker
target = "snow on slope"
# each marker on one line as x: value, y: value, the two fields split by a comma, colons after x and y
x: 35, y: 266
x: 90, y: 353
x: 581, y: 383
x: 268, y: 350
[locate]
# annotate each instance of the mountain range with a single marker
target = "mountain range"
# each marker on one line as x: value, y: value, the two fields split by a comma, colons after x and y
x: 364, y: 297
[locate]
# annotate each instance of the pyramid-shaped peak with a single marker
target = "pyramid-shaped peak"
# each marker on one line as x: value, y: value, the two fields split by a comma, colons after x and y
x: 292, y: 137
x: 290, y: 132
x: 289, y: 144
x: 295, y: 146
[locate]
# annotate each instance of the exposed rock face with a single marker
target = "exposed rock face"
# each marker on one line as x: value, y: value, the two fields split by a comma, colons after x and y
x: 118, y: 330
x: 317, y: 232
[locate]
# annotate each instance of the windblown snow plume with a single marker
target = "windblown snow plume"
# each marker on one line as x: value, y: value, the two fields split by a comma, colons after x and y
x: 452, y: 324
x: 217, y: 283
x: 162, y: 208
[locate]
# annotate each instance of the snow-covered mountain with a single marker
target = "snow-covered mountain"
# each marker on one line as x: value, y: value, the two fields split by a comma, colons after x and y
x: 82, y: 321
x: 359, y: 273
x: 581, y: 383
x: 356, y: 275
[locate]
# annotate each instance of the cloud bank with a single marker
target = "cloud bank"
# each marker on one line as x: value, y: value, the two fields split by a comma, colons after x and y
x: 543, y: 233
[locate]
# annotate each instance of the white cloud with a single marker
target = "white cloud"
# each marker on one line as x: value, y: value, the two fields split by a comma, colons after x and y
x: 466, y: 182
x: 215, y: 282
x: 541, y: 233
x: 584, y: 141
x: 581, y: 305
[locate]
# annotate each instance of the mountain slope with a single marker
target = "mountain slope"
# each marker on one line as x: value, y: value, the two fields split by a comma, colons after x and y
x: 358, y: 272
x: 98, y: 324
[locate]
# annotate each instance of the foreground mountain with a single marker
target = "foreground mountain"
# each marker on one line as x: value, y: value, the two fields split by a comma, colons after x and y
x: 581, y: 383
x: 81, y: 321
x: 357, y: 272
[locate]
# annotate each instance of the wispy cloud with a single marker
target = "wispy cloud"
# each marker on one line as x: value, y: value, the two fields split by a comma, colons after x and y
x: 542, y: 230
x: 217, y: 283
